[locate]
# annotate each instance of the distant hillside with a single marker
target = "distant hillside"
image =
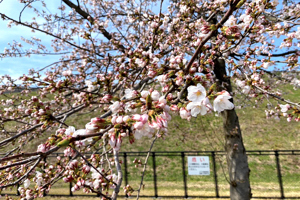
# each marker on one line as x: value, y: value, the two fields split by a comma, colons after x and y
x: 206, y: 132
x: 20, y: 89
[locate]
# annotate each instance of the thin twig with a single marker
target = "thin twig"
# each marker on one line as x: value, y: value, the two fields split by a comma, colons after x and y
x: 63, y: 121
x: 211, y: 143
x: 145, y: 165
x: 97, y: 192
x: 272, y: 94
x: 211, y: 33
x: 24, y: 176
x: 105, y: 152
x: 90, y: 164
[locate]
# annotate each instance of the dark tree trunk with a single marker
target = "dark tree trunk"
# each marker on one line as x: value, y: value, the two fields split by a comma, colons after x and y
x: 237, y: 161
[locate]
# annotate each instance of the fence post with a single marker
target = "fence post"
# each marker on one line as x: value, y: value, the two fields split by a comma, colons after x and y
x: 45, y: 160
x: 279, y: 174
x: 71, y: 193
x: 125, y: 170
x: 215, y: 173
x: 154, y: 175
x: 18, y: 192
x: 184, y: 176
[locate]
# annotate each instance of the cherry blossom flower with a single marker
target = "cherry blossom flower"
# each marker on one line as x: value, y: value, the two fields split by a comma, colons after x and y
x: 129, y: 94
x: 138, y: 125
x: 86, y: 169
x: 91, y: 88
x: 26, y: 183
x: 95, y: 174
x: 80, y: 132
x: 196, y: 93
x: 70, y: 131
x: 10, y: 177
x: 115, y: 107
x: 196, y: 108
x: 43, y: 148
x: 155, y: 95
x: 174, y: 108
x: 130, y: 107
x: 222, y: 102
x: 144, y: 95
x: 230, y: 22
x: 284, y: 108
x: 202, y: 107
x: 39, y: 179
x: 185, y: 114
x: 119, y: 120
x: 142, y: 118
x: 126, y: 118
x: 162, y: 78
x: 67, y: 73
x: 242, y: 84
x: 246, y: 89
x: 69, y: 152
x: 158, y: 123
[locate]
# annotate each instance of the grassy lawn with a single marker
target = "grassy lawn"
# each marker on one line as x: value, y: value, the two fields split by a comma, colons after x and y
x: 175, y: 189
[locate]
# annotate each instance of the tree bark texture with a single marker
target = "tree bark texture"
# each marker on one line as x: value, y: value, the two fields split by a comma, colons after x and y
x: 236, y: 157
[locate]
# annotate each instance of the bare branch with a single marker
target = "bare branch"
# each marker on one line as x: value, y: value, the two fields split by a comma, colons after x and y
x: 24, y: 176
x: 86, y: 16
x: 211, y: 33
x: 145, y: 165
x: 91, y: 165
x: 48, y: 33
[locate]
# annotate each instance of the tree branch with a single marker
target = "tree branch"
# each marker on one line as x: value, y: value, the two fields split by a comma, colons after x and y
x: 211, y: 33
x: 85, y: 15
x: 145, y: 165
x: 24, y: 176
x: 120, y: 176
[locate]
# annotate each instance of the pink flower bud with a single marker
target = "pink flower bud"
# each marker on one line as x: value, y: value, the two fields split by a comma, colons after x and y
x: 67, y: 73
x: 113, y: 119
x: 138, y: 125
x: 86, y: 169
x: 174, y: 108
x: 136, y: 117
x: 34, y: 99
x: 125, y: 118
x: 119, y: 120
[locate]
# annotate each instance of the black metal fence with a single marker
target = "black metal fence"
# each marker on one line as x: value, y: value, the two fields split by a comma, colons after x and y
x: 279, y: 168
x: 274, y: 175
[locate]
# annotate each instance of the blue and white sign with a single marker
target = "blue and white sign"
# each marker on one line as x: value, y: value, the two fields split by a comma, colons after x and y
x: 198, y: 165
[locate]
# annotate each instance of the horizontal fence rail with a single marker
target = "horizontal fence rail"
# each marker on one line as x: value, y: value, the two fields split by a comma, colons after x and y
x: 272, y: 173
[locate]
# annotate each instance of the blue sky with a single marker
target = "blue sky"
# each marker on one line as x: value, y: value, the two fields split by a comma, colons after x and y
x: 19, y: 66
x: 16, y: 67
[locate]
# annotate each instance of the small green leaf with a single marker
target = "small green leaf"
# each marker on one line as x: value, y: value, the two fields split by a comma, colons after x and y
x: 64, y: 143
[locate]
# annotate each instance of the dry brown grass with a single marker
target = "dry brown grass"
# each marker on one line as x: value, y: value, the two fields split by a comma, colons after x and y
x: 194, y: 189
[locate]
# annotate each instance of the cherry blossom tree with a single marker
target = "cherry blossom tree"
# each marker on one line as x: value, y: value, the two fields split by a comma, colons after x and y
x: 136, y: 63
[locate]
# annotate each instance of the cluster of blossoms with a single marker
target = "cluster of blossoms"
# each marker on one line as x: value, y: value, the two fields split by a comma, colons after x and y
x: 155, y: 114
x: 200, y: 103
x: 154, y: 117
x: 96, y: 178
x: 286, y: 111
x: 39, y: 179
x: 243, y: 86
